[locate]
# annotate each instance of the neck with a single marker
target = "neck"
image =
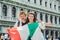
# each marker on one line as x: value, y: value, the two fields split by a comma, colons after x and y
x: 23, y: 21
x: 31, y: 22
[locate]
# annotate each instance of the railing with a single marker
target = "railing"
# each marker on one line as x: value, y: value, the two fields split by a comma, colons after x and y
x: 5, y: 18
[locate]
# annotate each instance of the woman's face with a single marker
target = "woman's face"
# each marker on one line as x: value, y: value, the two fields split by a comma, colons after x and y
x: 31, y: 17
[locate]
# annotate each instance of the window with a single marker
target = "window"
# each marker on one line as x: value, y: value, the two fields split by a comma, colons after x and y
x: 56, y: 34
x: 51, y: 18
x: 4, y: 10
x: 13, y: 12
x: 28, y: 10
x: 47, y: 32
x: 45, y: 4
x: 59, y: 8
x: 59, y: 20
x: 50, y: 5
x: 55, y: 20
x: 28, y: 0
x: 35, y: 1
x: 46, y: 17
x: 41, y: 16
x: 52, y: 33
x: 55, y: 7
x: 0, y: 29
x: 40, y: 2
x: 21, y: 9
x: 35, y: 14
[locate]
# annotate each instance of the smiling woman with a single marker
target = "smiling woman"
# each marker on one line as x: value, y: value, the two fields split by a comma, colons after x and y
x: 34, y: 28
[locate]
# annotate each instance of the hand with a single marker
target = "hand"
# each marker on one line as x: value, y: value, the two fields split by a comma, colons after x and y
x: 49, y: 24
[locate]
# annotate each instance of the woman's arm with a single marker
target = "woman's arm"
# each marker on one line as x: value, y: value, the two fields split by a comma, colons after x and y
x: 42, y: 25
x: 49, y: 24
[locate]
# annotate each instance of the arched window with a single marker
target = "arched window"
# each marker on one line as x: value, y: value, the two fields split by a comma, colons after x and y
x: 45, y: 4
x: 21, y: 9
x: 56, y: 34
x: 40, y: 2
x: 59, y: 20
x: 47, y: 32
x: 13, y: 12
x: 51, y: 18
x: 35, y: 14
x: 28, y: 10
x: 28, y: 0
x: 4, y: 10
x: 50, y: 5
x: 46, y: 17
x: 55, y: 19
x: 41, y: 16
x: 35, y: 1
x: 55, y: 7
x: 52, y: 33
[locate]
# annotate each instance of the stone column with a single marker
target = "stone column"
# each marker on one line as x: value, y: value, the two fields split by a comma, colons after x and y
x: 48, y: 18
x: 0, y: 9
x: 38, y: 15
x: 57, y: 20
x: 53, y: 19
x: 43, y: 17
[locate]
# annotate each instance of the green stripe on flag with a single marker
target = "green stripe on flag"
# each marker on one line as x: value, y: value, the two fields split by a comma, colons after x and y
x: 32, y: 28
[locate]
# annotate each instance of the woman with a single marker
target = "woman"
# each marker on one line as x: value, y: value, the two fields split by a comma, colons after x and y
x: 34, y: 28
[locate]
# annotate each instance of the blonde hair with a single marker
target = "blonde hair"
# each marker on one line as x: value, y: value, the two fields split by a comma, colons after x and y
x: 20, y: 13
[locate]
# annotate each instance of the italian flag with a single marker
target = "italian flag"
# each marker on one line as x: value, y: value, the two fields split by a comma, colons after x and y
x: 22, y: 33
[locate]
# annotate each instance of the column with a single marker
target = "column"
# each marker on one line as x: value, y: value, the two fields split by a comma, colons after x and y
x: 37, y: 2
x: 17, y: 11
x: 43, y: 17
x: 54, y: 34
x: 53, y: 19
x: 48, y: 18
x: 48, y: 4
x: 38, y: 15
x: 25, y: 10
x: 57, y: 6
x: 49, y: 32
x: 53, y: 4
x: 32, y: 2
x: 44, y: 33
x: 58, y: 34
x: 0, y: 9
x: 57, y: 20
x: 9, y: 11
x: 43, y: 3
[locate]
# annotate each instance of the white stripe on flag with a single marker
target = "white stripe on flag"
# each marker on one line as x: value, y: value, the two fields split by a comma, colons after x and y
x: 38, y: 35
x: 24, y: 33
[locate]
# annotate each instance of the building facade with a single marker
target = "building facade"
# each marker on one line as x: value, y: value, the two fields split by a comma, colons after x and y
x: 45, y: 10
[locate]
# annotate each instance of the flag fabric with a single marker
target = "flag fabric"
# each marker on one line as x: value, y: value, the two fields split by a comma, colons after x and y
x: 38, y: 35
x: 35, y: 31
x: 14, y: 34
x: 22, y: 33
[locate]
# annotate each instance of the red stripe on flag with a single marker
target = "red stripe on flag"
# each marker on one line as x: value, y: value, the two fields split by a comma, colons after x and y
x: 14, y: 34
